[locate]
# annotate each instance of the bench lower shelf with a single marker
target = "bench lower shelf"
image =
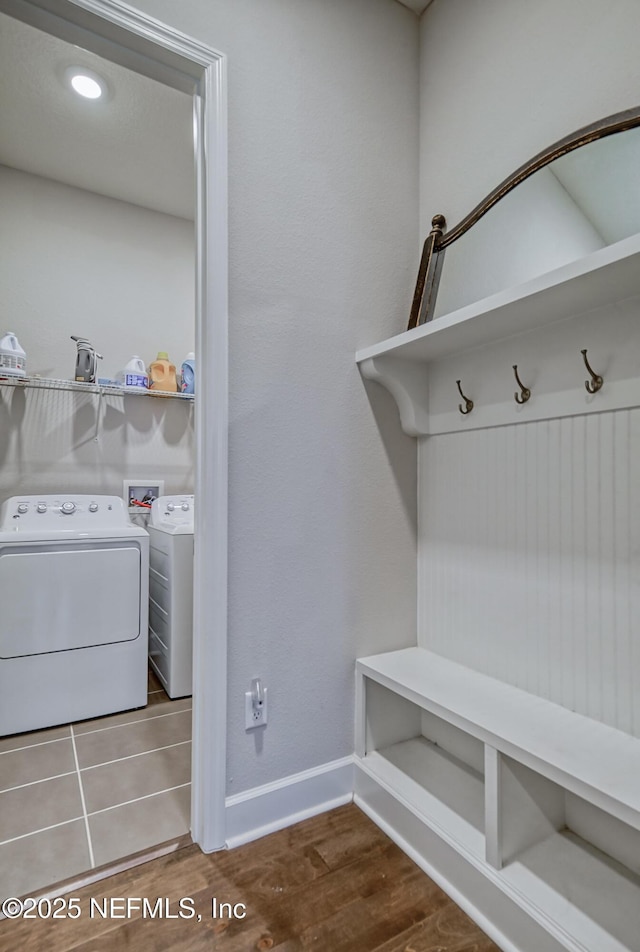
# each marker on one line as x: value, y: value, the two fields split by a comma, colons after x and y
x: 437, y: 786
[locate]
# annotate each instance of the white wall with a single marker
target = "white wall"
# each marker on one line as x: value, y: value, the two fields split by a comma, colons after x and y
x: 323, y: 166
x: 77, y: 263
x: 528, y: 531
x: 74, y: 262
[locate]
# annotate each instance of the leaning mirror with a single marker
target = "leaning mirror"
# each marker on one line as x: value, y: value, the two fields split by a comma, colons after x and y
x: 579, y: 195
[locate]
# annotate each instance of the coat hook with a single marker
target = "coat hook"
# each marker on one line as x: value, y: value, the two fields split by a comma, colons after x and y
x: 467, y: 402
x: 596, y: 381
x: 525, y: 393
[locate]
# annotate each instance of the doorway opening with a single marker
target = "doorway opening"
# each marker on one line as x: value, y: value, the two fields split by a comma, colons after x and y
x: 122, y: 36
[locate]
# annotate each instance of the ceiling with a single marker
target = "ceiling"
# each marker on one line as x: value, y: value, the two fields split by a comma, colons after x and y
x: 136, y: 145
x: 418, y: 5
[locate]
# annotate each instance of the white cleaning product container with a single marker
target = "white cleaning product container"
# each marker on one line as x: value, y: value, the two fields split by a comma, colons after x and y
x: 134, y: 374
x: 13, y: 359
x: 188, y: 374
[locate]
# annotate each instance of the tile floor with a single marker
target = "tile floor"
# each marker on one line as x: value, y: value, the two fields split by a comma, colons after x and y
x: 76, y: 797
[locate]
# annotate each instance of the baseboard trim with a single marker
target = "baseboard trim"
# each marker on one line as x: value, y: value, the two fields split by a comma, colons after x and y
x: 502, y: 919
x: 274, y: 806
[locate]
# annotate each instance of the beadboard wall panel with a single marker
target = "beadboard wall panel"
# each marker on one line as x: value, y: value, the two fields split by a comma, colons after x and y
x: 528, y: 558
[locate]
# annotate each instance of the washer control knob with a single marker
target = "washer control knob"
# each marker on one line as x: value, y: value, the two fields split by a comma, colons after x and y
x: 170, y: 507
x: 23, y: 507
x: 185, y: 506
x: 67, y: 508
x: 93, y: 507
x: 41, y: 507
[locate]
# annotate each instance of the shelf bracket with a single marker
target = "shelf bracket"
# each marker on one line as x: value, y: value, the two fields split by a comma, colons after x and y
x: 98, y: 413
x: 407, y: 383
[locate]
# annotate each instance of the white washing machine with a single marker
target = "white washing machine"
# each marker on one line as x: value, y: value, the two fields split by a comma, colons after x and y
x: 171, y: 522
x: 74, y: 583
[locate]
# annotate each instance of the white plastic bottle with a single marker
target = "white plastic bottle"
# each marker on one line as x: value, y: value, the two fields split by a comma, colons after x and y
x: 13, y: 359
x: 134, y: 374
x: 188, y: 374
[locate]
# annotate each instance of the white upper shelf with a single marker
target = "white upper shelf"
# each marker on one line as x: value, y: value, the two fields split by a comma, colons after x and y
x: 606, y: 276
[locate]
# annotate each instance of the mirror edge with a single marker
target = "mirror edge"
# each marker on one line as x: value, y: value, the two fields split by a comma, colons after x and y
x: 432, y: 259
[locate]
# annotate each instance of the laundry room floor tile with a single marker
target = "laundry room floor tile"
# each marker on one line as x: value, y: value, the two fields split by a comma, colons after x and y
x: 140, y: 825
x: 136, y: 777
x: 156, y: 692
x: 154, y: 709
x: 17, y: 741
x: 38, y: 762
x: 32, y: 862
x: 104, y: 746
x: 27, y: 809
x: 135, y: 772
x: 155, y: 698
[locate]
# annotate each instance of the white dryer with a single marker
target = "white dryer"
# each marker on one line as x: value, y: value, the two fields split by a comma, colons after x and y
x: 74, y: 582
x: 171, y: 523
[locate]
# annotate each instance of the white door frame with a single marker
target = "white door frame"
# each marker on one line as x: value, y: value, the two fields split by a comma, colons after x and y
x: 117, y: 32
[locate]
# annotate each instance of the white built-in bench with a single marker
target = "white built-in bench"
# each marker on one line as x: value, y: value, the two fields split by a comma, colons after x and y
x: 545, y: 802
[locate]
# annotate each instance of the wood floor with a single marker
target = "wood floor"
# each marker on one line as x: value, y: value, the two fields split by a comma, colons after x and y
x: 334, y: 883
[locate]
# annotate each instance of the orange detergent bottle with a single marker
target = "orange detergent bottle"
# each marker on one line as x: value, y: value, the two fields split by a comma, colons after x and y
x: 162, y: 374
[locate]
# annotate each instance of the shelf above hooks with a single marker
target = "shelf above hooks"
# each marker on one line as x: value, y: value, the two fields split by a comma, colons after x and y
x: 540, y: 326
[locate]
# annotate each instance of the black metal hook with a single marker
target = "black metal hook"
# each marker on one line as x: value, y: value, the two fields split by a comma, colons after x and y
x: 467, y: 402
x: 596, y: 381
x: 525, y: 393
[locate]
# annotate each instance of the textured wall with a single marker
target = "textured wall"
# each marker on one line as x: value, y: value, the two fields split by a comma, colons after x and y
x: 323, y: 166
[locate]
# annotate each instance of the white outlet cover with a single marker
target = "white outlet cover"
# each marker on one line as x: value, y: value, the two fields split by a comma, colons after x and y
x: 251, y: 722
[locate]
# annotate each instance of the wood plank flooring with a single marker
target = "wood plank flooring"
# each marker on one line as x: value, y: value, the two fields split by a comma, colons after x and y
x: 333, y: 883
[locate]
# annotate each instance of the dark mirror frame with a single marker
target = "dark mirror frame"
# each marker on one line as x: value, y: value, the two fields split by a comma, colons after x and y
x: 424, y: 299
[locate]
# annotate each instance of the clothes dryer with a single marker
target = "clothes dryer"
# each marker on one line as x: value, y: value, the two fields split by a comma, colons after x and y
x: 171, y: 523
x: 74, y: 577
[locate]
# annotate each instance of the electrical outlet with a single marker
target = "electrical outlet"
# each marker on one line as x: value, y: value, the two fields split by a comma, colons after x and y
x: 254, y: 716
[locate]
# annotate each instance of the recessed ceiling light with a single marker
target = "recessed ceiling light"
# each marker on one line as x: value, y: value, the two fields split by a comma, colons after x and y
x: 86, y: 86
x: 85, y: 82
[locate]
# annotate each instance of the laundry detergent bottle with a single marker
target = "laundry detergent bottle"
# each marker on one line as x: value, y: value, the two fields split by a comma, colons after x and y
x: 134, y: 376
x: 188, y: 374
x: 13, y: 359
x: 162, y: 374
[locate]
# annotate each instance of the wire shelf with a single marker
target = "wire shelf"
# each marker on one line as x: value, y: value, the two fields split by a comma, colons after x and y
x: 49, y: 383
